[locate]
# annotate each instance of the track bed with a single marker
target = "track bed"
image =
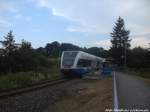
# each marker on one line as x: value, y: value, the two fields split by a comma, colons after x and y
x: 77, y: 95
x: 85, y: 96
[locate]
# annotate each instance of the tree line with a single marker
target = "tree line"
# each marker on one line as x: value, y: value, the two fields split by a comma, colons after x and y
x: 55, y: 49
x: 23, y: 57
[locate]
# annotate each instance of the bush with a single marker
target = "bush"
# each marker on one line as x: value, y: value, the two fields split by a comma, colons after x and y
x: 144, y: 72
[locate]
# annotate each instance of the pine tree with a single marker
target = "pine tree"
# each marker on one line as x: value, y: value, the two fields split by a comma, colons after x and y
x: 9, y: 43
x: 120, y: 42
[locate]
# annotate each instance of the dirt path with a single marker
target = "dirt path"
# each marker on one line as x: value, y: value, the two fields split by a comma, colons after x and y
x: 86, y: 96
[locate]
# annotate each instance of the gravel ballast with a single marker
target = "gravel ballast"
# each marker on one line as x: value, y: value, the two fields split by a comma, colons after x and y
x: 49, y: 98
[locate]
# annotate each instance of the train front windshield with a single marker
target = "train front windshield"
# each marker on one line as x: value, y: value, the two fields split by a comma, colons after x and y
x: 68, y: 58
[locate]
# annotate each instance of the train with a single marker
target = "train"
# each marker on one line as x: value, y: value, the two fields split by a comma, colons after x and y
x: 79, y: 63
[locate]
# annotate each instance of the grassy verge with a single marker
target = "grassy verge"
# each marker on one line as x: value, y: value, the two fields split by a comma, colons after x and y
x: 144, y: 72
x: 23, y: 79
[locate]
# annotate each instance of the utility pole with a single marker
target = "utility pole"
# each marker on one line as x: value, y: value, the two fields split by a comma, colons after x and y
x: 125, y: 55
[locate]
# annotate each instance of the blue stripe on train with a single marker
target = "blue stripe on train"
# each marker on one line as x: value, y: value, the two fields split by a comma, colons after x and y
x: 80, y: 71
x: 75, y: 72
x: 106, y: 70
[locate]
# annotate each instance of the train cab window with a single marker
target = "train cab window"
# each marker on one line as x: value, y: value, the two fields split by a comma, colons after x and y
x: 70, y: 54
x: 68, y: 58
x: 84, y: 63
x: 68, y: 62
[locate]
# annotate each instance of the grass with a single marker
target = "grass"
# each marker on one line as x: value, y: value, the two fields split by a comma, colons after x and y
x: 142, y: 72
x: 15, y: 80
x: 145, y: 72
x: 23, y: 79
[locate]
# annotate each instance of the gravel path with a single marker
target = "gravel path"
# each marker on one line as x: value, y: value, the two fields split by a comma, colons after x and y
x: 133, y: 92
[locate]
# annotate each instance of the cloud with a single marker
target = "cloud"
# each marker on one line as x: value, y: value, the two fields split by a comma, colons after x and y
x: 103, y: 43
x: 43, y: 3
x: 27, y: 18
x: 140, y: 36
x: 98, y: 16
x: 35, y: 30
x: 91, y: 16
x: 142, y: 41
x: 87, y: 28
x: 79, y: 29
x: 137, y: 41
x: 4, y: 23
x: 7, y: 6
x: 19, y: 16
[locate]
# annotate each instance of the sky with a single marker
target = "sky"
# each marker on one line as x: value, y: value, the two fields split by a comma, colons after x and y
x: 81, y: 22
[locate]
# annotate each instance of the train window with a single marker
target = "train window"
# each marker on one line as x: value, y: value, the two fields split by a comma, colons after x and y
x: 70, y: 54
x: 84, y: 63
x: 68, y: 62
x: 68, y: 58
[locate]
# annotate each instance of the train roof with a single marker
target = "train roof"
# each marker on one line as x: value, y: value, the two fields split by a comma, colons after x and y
x: 88, y: 55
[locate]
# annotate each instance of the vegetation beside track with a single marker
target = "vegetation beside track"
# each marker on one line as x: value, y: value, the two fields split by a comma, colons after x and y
x: 22, y: 79
x: 22, y: 65
x: 144, y: 72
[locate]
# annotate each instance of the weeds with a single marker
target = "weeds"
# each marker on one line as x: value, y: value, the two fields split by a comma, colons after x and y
x: 23, y: 79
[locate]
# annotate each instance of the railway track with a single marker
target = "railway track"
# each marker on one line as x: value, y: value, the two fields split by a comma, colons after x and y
x: 17, y: 91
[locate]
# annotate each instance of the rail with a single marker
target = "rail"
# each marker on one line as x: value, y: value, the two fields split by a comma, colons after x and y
x: 17, y: 91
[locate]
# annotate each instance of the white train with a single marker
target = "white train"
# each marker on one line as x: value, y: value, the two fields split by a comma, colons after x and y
x: 78, y: 63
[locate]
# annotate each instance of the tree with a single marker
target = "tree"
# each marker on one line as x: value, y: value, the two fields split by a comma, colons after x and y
x: 52, y: 49
x: 55, y: 49
x: 120, y: 42
x: 139, y: 58
x: 98, y: 52
x: 69, y: 46
x: 41, y: 51
x: 27, y: 57
x: 25, y: 44
x: 9, y: 43
x: 8, y: 49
